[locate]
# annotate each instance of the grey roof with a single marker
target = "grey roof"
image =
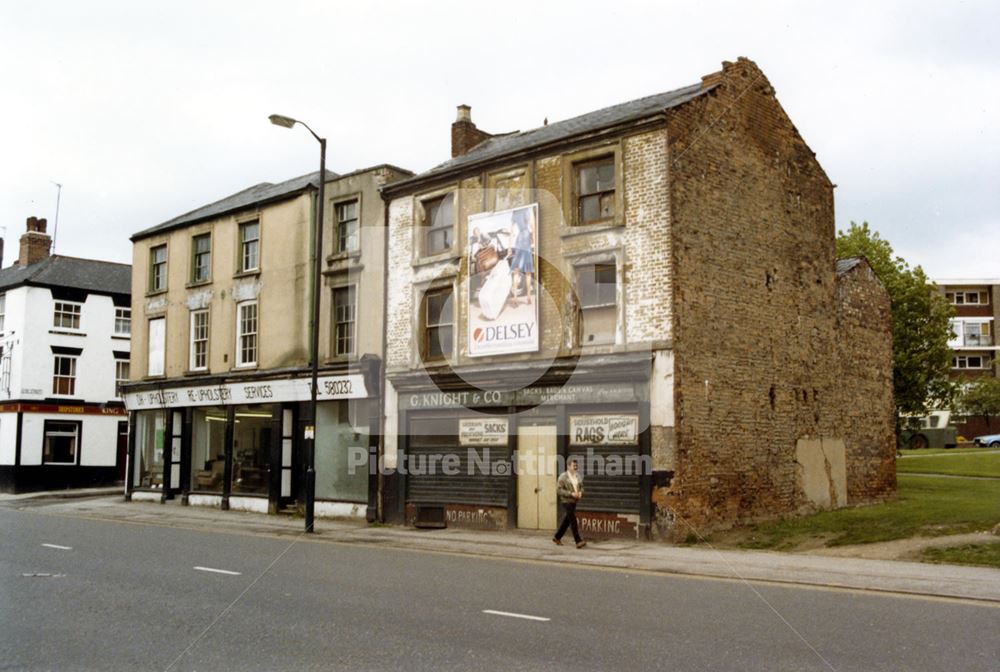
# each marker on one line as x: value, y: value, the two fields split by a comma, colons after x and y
x: 103, y: 277
x: 844, y: 265
x: 633, y: 110
x: 257, y: 194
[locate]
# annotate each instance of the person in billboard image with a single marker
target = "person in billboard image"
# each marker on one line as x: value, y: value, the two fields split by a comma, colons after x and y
x: 569, y: 489
x: 523, y: 262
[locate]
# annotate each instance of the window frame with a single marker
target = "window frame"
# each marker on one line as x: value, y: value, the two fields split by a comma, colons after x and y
x: 119, y: 381
x: 77, y: 439
x: 3, y: 310
x: 194, y: 341
x: 338, y: 224
x: 245, y: 244
x: 123, y: 315
x: 351, y: 290
x: 426, y: 326
x: 58, y: 376
x: 241, y: 363
x: 163, y: 352
x: 571, y: 162
x: 157, y: 269
x: 427, y: 229
x: 76, y: 313
x: 601, y: 302
x: 600, y: 194
x: 195, y: 255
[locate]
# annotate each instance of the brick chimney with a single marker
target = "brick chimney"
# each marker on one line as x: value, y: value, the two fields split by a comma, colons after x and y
x: 35, y: 243
x: 464, y: 134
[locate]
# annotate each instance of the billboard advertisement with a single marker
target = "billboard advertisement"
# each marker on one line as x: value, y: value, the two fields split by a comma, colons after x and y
x: 503, y: 282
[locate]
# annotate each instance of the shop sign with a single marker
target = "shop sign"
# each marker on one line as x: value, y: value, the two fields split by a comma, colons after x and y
x: 603, y: 430
x: 68, y: 410
x: 529, y: 396
x: 503, y: 282
x: 255, y: 392
x: 482, y: 431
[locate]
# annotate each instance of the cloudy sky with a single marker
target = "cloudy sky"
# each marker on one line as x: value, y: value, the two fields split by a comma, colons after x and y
x: 143, y: 112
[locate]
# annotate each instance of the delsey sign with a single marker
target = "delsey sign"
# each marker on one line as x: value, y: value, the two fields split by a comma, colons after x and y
x: 257, y: 392
x: 503, y: 282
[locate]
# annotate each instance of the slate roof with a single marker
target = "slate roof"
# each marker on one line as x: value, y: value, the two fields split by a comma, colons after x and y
x: 633, y: 110
x: 844, y: 265
x: 103, y: 277
x: 259, y: 193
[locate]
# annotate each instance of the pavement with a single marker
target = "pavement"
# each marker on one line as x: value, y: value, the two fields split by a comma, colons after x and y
x: 945, y: 581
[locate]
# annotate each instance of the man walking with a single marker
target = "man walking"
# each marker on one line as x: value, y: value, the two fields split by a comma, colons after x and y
x: 569, y: 488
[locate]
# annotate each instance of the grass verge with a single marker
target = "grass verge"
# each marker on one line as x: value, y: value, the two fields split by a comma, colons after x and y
x: 985, y: 555
x: 955, y: 464
x: 925, y: 506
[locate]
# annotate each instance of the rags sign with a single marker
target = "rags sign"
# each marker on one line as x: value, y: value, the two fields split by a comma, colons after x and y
x: 503, y: 282
x: 603, y: 430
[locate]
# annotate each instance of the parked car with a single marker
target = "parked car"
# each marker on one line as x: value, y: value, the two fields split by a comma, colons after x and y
x: 930, y: 431
x: 991, y: 440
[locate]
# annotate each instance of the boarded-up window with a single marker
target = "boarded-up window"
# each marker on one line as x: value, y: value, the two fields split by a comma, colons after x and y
x: 157, y: 343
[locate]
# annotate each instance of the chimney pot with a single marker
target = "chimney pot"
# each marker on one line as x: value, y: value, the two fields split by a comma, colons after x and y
x: 464, y: 113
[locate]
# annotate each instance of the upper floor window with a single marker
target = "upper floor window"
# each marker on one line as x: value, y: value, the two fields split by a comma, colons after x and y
x: 121, y: 375
x: 199, y: 340
x: 156, y: 350
x: 347, y: 227
x: 595, y: 191
x: 123, y: 321
x: 158, y: 268
x: 439, y: 227
x: 597, y: 287
x: 246, y: 334
x: 438, y: 324
x: 64, y: 375
x: 66, y: 315
x: 249, y: 246
x: 970, y: 362
x: 201, y: 257
x: 974, y: 298
x: 3, y: 310
x: 971, y: 333
x: 344, y: 312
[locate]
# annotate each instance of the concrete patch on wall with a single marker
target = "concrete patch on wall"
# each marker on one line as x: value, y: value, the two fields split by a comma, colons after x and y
x: 246, y: 291
x: 822, y: 471
x: 156, y: 305
x: 199, y: 300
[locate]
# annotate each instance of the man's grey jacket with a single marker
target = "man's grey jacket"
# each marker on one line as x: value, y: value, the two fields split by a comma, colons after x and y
x: 564, y: 487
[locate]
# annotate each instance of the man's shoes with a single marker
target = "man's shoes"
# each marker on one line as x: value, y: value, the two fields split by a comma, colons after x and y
x: 581, y: 544
x: 557, y: 542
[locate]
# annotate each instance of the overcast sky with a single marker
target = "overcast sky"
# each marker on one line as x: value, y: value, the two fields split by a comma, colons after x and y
x: 145, y: 112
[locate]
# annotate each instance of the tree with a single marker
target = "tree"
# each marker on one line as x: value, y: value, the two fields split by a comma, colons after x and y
x: 981, y: 398
x: 920, y: 323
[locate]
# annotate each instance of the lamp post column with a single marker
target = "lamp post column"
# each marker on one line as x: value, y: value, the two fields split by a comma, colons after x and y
x: 317, y: 277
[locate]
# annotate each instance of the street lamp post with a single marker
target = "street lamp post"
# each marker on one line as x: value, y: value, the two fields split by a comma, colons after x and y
x: 310, y: 430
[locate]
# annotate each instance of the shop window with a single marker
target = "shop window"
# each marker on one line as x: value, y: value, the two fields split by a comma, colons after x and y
x: 597, y: 288
x: 201, y: 258
x: 149, y: 436
x: 123, y: 321
x: 438, y: 224
x: 342, y: 465
x: 595, y: 191
x: 121, y: 375
x: 158, y: 268
x: 66, y: 315
x: 246, y: 334
x: 347, y: 226
x: 252, y: 449
x: 61, y: 443
x: 249, y: 246
x: 438, y: 323
x: 344, y: 316
x: 199, y: 340
x: 156, y: 347
x: 64, y: 375
x: 208, y: 448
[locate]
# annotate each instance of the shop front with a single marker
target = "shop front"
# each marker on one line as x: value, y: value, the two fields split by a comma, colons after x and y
x: 239, y: 445
x: 489, y: 459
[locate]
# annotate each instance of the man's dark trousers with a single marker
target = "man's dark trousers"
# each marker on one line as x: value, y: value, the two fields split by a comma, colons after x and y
x: 569, y: 520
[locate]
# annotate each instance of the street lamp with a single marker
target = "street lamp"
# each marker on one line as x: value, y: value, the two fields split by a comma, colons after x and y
x: 310, y: 430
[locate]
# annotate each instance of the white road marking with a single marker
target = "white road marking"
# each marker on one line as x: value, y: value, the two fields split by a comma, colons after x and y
x: 218, y: 571
x: 513, y: 615
x: 58, y: 547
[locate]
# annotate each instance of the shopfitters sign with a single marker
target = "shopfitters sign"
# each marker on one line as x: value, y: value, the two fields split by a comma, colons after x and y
x: 603, y: 430
x: 482, y: 431
x: 528, y: 396
x: 256, y: 392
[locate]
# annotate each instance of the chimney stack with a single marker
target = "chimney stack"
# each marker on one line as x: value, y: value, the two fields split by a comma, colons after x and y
x: 35, y: 243
x: 464, y: 134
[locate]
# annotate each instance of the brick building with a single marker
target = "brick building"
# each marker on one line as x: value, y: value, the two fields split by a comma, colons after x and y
x: 650, y: 285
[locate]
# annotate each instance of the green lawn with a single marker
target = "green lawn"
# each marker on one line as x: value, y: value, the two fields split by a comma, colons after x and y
x: 906, y: 452
x: 987, y: 555
x: 925, y: 506
x: 955, y: 463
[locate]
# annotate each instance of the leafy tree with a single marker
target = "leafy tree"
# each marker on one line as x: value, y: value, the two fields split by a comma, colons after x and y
x: 920, y: 323
x: 980, y: 397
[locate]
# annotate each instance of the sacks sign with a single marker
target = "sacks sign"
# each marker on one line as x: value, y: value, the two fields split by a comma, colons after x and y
x: 503, y: 282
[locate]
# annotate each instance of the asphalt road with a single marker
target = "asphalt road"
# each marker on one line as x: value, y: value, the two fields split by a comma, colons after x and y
x: 78, y: 594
